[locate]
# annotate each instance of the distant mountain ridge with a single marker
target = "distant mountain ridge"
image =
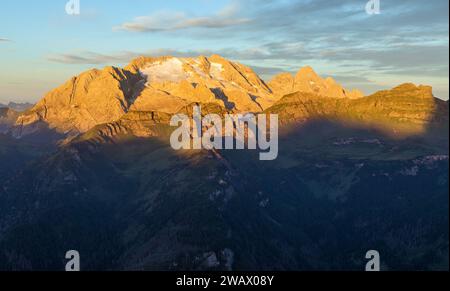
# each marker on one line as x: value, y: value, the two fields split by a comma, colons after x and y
x: 8, y: 117
x: 17, y: 106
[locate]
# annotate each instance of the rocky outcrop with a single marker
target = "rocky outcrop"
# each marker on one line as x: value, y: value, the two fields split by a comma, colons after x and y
x: 307, y: 81
x: 133, y: 124
x: 92, y: 98
x: 203, y: 79
x: 406, y: 109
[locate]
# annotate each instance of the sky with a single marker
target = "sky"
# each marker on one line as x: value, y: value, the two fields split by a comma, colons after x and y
x: 42, y: 46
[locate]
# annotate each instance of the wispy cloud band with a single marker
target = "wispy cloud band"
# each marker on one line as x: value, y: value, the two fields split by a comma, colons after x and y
x: 174, y: 21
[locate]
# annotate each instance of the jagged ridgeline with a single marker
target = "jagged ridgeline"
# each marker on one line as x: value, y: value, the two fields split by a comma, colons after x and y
x: 90, y: 168
x: 164, y: 84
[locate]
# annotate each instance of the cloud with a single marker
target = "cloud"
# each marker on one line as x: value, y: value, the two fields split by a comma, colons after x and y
x: 269, y: 72
x: 92, y: 58
x: 319, y: 30
x: 4, y: 39
x: 174, y: 21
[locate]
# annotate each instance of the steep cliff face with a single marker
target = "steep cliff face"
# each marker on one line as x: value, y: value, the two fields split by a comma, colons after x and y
x: 164, y: 84
x: 282, y: 84
x: 306, y: 80
x: 94, y: 97
x: 406, y: 109
x: 202, y: 79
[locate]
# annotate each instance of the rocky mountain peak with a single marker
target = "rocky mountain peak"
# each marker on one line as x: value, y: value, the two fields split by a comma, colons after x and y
x: 168, y: 84
x: 308, y: 81
x: 307, y: 73
x: 407, y: 91
x: 214, y: 79
x: 93, y: 97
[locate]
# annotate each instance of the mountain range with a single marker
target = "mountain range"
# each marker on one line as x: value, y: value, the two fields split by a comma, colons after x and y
x: 167, y: 84
x: 17, y: 106
x: 90, y: 167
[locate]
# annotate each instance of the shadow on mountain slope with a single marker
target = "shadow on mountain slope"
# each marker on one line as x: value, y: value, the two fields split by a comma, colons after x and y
x: 338, y: 189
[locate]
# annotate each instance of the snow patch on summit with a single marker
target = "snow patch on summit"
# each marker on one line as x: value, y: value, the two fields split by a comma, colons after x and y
x: 216, y: 71
x: 168, y: 70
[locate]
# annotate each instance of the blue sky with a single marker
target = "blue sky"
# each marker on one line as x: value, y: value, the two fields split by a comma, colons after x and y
x: 41, y: 46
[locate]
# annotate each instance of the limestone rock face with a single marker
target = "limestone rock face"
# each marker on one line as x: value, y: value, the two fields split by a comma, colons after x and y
x: 406, y: 104
x: 307, y: 81
x: 151, y: 99
x: 168, y: 85
x: 404, y: 110
x: 282, y: 84
x: 94, y: 97
x: 163, y: 84
x: 407, y: 90
x: 141, y: 124
x: 202, y: 79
